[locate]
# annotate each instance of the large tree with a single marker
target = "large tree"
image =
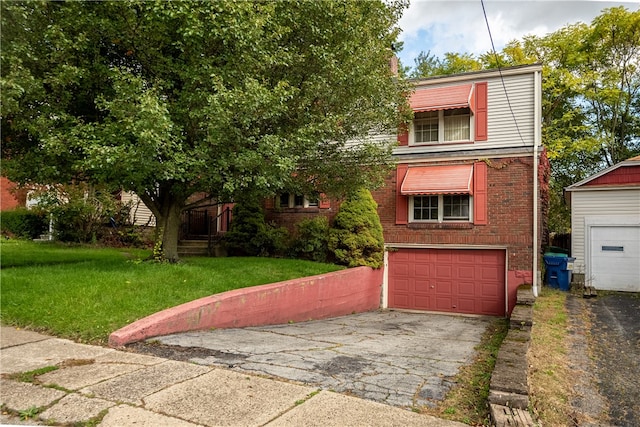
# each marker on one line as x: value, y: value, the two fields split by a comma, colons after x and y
x: 168, y: 99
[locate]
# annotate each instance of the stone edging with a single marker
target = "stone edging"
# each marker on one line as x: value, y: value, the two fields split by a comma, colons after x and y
x: 509, y: 389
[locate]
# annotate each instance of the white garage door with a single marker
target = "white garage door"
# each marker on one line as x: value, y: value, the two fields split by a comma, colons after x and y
x: 615, y: 258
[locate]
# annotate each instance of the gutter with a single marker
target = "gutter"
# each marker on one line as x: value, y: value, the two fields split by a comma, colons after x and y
x: 536, y: 140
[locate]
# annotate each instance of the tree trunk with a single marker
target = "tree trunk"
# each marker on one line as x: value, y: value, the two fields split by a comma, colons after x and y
x: 170, y: 229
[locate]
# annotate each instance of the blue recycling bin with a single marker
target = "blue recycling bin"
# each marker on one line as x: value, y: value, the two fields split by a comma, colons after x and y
x: 558, y: 270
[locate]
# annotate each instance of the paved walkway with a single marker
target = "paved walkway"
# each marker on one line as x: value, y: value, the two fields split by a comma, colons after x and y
x: 123, y: 389
x: 398, y: 358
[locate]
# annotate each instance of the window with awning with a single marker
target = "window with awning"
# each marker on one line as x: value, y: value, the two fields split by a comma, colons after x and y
x: 442, y: 98
x: 450, y: 114
x: 454, y: 192
x: 446, y: 179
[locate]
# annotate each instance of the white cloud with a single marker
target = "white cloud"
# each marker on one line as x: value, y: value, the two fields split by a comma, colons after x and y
x: 459, y: 25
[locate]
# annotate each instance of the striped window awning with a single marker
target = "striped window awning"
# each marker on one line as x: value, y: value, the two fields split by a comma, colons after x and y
x: 445, y: 179
x: 442, y: 98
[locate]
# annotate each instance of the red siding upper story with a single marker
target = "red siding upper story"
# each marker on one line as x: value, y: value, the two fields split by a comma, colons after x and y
x: 620, y: 176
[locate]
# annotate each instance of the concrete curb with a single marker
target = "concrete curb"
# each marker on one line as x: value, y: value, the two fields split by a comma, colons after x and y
x: 509, y: 388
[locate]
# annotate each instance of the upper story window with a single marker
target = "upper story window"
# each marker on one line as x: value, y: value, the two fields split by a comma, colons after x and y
x: 432, y: 127
x: 448, y: 114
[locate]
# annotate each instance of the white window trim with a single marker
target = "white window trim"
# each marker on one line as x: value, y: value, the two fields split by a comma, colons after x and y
x: 412, y: 131
x: 292, y: 202
x: 440, y: 212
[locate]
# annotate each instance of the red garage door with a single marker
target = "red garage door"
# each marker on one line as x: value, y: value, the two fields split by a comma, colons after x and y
x: 467, y: 281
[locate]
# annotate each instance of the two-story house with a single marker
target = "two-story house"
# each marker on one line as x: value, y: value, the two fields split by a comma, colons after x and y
x: 461, y: 214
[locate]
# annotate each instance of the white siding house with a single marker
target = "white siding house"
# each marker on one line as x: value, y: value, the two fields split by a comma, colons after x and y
x: 140, y: 213
x: 605, y: 227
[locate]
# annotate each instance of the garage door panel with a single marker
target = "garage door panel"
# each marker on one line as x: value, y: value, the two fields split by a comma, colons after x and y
x: 615, y: 258
x: 465, y: 272
x: 443, y: 304
x: 467, y: 304
x: 421, y: 270
x: 401, y: 301
x: 466, y: 288
x: 421, y: 286
x: 421, y: 302
x: 452, y: 280
x: 490, y: 290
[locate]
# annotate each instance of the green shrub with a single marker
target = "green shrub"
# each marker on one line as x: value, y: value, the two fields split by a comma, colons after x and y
x: 312, y: 236
x: 81, y: 213
x: 23, y: 223
x: 250, y: 235
x: 356, y: 237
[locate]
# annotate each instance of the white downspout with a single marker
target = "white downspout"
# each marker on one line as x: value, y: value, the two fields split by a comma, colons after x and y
x: 537, y: 137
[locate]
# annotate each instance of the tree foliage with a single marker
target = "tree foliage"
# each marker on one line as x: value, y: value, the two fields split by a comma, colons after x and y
x: 591, y: 94
x: 172, y: 98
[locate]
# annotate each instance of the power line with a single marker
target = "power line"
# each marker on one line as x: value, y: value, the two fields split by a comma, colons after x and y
x: 504, y: 87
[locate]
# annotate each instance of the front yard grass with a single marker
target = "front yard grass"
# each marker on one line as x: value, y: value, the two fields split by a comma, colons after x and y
x: 85, y: 293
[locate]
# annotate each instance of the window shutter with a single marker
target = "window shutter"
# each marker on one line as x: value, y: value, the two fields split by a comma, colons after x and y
x: 480, y: 112
x: 270, y: 203
x: 402, y: 202
x: 480, y: 195
x: 324, y: 202
x: 403, y: 135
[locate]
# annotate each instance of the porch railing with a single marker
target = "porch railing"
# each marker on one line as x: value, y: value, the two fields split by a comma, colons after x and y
x: 201, y: 224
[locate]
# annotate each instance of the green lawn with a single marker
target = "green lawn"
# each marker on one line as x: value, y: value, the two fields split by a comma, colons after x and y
x: 85, y: 293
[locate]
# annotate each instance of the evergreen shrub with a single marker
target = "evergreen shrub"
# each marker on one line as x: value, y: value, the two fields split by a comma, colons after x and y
x: 250, y: 235
x: 356, y: 237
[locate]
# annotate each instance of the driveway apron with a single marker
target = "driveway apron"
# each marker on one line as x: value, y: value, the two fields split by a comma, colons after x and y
x: 397, y: 358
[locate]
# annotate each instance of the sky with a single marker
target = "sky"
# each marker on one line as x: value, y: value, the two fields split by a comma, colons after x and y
x: 459, y: 26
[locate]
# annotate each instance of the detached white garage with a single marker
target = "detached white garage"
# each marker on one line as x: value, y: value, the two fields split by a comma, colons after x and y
x: 605, y: 227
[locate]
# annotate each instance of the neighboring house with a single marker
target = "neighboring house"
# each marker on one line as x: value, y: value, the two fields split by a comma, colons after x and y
x: 139, y: 214
x: 462, y: 213
x: 605, y: 227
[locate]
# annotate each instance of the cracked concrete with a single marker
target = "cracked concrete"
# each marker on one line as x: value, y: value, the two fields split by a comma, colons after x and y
x: 398, y: 358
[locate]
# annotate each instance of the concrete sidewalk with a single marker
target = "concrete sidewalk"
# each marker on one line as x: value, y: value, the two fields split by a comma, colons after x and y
x: 122, y: 389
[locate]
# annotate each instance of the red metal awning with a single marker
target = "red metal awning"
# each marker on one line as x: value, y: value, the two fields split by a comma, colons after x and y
x: 442, y: 98
x: 449, y: 179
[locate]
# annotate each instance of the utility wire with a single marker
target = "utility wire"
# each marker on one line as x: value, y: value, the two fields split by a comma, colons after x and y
x: 504, y: 87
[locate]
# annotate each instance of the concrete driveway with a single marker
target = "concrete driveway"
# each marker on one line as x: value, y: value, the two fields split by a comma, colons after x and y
x: 398, y: 358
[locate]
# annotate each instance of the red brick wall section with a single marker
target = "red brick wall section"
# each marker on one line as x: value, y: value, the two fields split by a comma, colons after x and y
x: 509, y: 219
x: 509, y: 223
x: 9, y: 197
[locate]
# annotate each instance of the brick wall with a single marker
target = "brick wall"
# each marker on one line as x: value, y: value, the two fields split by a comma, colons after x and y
x: 510, y: 220
x: 9, y: 198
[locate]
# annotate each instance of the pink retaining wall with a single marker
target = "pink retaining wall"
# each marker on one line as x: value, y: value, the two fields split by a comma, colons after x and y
x: 515, y: 278
x: 316, y: 297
